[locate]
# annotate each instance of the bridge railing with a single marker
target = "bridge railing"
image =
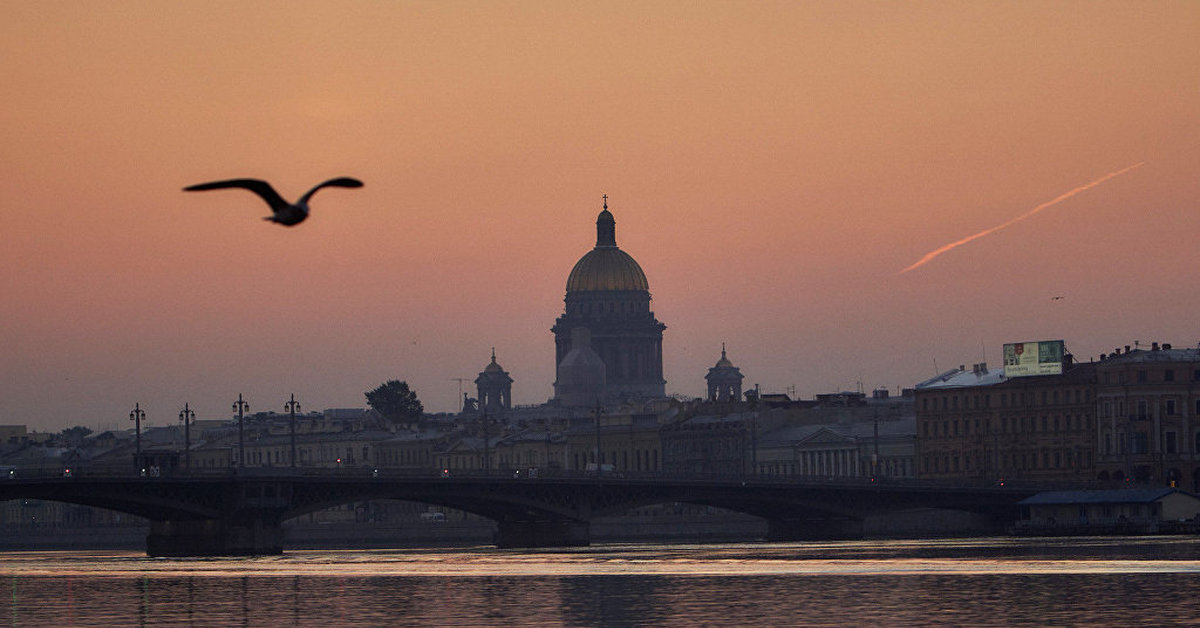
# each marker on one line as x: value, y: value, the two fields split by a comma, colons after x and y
x: 524, y: 474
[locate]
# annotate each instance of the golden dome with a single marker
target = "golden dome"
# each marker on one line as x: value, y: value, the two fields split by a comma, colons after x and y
x: 606, y: 267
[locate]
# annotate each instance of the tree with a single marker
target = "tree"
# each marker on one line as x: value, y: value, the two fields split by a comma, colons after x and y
x: 73, y: 436
x: 395, y: 402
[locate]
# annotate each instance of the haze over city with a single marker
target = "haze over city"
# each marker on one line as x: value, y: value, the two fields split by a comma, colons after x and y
x: 772, y: 166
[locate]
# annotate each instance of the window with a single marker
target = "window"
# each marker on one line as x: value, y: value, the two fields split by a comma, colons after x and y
x: 1170, y: 444
x: 1169, y: 375
x: 1170, y: 406
x: 1138, y: 443
x: 1141, y: 376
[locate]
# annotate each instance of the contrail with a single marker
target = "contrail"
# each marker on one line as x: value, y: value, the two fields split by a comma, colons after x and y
x: 932, y: 254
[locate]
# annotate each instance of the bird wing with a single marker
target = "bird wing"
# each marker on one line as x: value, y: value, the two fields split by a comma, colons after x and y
x: 340, y: 182
x: 258, y: 186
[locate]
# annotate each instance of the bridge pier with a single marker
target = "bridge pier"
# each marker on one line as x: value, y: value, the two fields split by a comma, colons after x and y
x: 215, y: 537
x: 556, y: 533
x: 814, y: 529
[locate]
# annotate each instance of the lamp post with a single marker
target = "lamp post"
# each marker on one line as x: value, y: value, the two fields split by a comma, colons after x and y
x: 241, y: 406
x: 136, y: 416
x: 754, y: 431
x: 292, y: 406
x: 487, y: 462
x: 187, y: 416
x: 598, y: 412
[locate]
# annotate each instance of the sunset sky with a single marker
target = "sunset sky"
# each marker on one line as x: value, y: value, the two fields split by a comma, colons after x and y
x: 772, y: 166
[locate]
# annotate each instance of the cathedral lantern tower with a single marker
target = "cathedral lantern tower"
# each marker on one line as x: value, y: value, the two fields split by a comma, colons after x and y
x: 494, y: 386
x: 724, y: 380
x: 607, y: 294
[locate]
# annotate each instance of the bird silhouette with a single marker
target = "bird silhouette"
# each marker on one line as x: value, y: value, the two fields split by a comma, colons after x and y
x: 284, y: 213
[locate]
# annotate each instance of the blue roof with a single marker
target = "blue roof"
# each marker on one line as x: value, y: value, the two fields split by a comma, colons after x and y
x: 1118, y: 496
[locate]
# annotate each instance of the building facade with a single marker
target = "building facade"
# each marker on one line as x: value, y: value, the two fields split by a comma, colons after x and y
x: 979, y: 425
x: 1146, y: 425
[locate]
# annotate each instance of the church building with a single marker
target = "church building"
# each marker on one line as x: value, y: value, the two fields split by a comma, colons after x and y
x: 607, y: 322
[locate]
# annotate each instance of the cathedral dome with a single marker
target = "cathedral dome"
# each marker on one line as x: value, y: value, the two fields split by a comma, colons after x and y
x: 493, y: 367
x: 606, y: 267
x: 724, y: 362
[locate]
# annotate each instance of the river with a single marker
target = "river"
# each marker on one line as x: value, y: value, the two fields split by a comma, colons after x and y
x: 976, y: 582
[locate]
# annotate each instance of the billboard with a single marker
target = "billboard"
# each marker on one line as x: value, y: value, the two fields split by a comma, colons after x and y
x: 1023, y: 359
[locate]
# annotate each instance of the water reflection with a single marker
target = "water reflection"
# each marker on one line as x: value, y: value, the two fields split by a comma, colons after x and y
x: 979, y: 582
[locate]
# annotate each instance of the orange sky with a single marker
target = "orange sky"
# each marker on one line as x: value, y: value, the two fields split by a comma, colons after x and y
x: 772, y: 166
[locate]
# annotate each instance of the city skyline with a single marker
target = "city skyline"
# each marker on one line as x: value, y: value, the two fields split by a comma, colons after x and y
x: 770, y: 166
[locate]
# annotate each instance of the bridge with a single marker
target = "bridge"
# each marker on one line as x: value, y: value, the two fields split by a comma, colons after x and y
x: 241, y: 513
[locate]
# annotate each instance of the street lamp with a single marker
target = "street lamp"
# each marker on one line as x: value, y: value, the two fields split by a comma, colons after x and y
x: 292, y: 406
x: 241, y: 407
x: 187, y: 416
x: 136, y: 416
x: 598, y: 412
x: 754, y: 431
x: 487, y: 462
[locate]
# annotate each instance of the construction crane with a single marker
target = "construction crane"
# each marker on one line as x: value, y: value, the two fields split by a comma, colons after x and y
x: 459, y: 402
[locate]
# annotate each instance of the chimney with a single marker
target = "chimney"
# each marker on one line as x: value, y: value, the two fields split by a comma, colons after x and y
x: 1154, y: 346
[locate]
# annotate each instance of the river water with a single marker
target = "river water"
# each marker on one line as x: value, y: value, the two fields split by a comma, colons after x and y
x: 975, y: 582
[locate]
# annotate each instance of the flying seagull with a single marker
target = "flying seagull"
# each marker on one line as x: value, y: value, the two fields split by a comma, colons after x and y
x: 285, y: 213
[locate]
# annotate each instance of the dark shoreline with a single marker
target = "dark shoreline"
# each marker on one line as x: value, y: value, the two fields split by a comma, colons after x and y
x: 409, y: 534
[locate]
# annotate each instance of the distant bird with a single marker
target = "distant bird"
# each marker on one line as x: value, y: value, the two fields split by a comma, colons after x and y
x: 1056, y: 298
x: 285, y: 213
